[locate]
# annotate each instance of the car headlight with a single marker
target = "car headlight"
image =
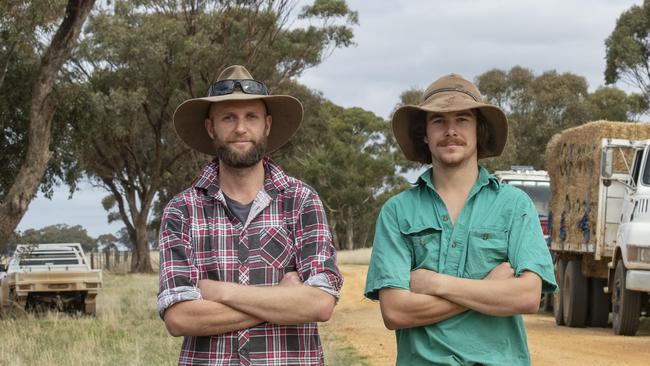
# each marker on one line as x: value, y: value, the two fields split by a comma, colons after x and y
x: 638, y: 254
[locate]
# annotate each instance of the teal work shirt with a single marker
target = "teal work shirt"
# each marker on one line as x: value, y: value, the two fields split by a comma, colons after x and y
x: 498, y: 224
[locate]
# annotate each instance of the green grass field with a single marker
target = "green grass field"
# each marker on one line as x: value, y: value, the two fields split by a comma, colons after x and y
x: 126, y: 331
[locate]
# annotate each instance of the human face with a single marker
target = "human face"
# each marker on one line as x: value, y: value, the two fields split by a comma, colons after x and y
x: 239, y: 131
x: 451, y: 137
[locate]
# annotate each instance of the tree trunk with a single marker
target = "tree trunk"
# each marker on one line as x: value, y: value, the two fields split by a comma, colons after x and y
x: 349, y: 230
x: 140, y: 262
x: 42, y: 108
x: 335, y: 236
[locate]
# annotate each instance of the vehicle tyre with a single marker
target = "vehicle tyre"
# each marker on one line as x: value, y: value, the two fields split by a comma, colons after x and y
x: 599, y: 303
x: 574, y: 297
x: 557, y: 297
x: 626, y: 304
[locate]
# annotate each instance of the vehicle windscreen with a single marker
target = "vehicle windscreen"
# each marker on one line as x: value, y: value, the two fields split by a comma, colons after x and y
x: 646, y: 170
x: 539, y: 192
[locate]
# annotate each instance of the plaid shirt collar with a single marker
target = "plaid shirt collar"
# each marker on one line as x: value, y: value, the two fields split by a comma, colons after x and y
x: 275, y: 180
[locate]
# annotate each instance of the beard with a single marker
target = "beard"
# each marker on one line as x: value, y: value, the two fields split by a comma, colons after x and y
x: 236, y: 159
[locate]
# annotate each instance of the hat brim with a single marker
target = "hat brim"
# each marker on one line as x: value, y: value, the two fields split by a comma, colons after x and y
x: 494, y: 116
x: 189, y: 119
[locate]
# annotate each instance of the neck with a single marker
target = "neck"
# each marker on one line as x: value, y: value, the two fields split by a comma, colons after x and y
x: 455, y: 178
x: 241, y: 184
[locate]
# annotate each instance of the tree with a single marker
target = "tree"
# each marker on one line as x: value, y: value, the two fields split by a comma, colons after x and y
x: 627, y: 49
x: 537, y: 107
x: 141, y: 60
x: 613, y: 104
x: 59, y: 233
x: 41, y: 107
x: 350, y: 167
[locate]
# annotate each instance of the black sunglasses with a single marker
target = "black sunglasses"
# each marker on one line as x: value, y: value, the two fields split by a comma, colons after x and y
x: 247, y: 86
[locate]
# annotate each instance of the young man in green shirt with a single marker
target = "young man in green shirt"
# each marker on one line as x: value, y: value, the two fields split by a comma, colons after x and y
x: 458, y: 257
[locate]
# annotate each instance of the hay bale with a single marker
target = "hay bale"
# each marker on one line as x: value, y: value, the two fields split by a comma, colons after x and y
x: 573, y: 163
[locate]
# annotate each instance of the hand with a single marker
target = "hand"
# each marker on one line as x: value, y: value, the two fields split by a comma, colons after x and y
x: 290, y: 279
x: 423, y: 281
x: 210, y: 289
x: 503, y: 271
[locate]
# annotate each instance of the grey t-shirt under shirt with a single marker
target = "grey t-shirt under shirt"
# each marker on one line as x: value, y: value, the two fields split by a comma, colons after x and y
x: 239, y: 210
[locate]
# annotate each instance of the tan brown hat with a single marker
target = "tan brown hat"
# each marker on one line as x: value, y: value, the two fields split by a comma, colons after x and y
x: 236, y: 83
x: 450, y: 93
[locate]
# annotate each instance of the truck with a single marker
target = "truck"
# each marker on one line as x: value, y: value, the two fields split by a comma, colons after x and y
x: 600, y: 224
x: 535, y: 183
x: 49, y: 277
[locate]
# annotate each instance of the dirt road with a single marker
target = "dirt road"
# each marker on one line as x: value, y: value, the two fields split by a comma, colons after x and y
x: 359, y: 320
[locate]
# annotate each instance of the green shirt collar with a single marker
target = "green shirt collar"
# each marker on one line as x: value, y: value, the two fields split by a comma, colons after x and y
x: 484, y: 178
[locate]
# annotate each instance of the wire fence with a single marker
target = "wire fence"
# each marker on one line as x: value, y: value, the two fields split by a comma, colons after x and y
x: 118, y: 261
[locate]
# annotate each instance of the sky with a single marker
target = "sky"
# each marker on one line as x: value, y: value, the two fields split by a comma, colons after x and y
x: 402, y: 44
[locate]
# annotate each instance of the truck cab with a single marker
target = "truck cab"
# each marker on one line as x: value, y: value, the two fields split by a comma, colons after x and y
x: 629, y: 270
x: 536, y: 184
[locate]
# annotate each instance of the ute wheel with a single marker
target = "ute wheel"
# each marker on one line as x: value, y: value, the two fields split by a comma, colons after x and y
x: 574, y: 297
x: 557, y: 297
x: 90, y: 308
x: 599, y: 303
x: 626, y: 304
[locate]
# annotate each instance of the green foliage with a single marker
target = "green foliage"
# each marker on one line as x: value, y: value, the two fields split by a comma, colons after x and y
x: 628, y: 49
x: 59, y: 233
x: 540, y: 106
x: 140, y: 60
x: 349, y: 162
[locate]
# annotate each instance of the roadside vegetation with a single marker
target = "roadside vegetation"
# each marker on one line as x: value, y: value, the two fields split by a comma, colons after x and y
x: 126, y: 331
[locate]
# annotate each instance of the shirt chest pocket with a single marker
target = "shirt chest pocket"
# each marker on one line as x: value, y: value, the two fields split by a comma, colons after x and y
x: 425, y: 246
x: 275, y: 247
x: 486, y: 248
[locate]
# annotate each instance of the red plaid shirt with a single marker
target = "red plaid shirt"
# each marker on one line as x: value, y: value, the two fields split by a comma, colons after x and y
x: 286, y: 230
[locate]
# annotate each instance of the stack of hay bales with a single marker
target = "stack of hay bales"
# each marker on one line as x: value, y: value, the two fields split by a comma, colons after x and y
x: 573, y: 164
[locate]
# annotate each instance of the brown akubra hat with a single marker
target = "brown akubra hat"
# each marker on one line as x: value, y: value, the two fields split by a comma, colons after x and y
x: 450, y: 93
x: 236, y: 83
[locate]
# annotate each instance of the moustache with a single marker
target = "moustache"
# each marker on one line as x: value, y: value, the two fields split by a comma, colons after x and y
x: 452, y: 141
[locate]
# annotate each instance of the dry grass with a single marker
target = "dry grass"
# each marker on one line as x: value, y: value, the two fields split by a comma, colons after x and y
x: 357, y: 256
x: 126, y: 331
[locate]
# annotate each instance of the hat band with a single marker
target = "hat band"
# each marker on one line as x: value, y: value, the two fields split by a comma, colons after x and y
x: 442, y: 90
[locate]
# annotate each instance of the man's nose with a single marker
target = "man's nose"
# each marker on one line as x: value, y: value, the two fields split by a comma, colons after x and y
x: 450, y: 128
x: 240, y: 126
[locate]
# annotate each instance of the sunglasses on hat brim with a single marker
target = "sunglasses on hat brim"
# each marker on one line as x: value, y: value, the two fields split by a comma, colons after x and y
x: 247, y: 86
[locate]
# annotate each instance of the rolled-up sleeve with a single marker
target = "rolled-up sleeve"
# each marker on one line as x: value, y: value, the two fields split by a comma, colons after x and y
x: 178, y: 274
x: 316, y: 255
x: 527, y: 248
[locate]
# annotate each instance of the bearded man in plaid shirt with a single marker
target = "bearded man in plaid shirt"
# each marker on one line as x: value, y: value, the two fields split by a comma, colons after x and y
x: 247, y: 265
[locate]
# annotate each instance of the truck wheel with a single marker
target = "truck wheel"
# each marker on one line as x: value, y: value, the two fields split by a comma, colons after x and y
x: 574, y: 299
x: 599, y: 303
x: 626, y: 304
x: 557, y: 297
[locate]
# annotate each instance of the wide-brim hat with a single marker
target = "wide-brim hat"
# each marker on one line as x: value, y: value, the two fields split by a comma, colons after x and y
x: 450, y: 93
x: 190, y: 116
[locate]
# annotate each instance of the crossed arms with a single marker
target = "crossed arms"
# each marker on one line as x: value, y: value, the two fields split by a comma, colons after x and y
x: 434, y: 297
x: 228, y: 307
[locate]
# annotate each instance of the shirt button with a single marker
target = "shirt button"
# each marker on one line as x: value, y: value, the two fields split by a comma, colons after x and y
x: 445, y: 218
x: 244, y: 352
x: 454, y: 244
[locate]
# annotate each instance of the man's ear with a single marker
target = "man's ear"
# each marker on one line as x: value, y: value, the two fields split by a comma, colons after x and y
x: 209, y: 127
x: 268, y: 121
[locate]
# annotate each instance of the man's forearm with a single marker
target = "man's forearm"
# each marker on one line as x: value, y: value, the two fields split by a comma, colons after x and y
x: 505, y: 297
x: 205, y: 318
x: 282, y: 305
x: 405, y: 309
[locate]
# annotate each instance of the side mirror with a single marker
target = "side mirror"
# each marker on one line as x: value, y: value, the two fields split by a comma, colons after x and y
x: 606, y: 162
